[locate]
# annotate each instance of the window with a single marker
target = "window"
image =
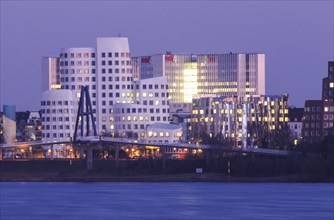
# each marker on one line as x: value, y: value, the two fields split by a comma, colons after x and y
x: 109, y: 54
x: 116, y: 54
x: 103, y: 54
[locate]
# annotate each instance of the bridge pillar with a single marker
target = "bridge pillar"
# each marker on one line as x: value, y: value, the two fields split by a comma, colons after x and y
x: 51, y: 152
x: 208, y: 155
x: 89, y: 158
x: 81, y: 152
x: 163, y: 156
x: 117, y: 155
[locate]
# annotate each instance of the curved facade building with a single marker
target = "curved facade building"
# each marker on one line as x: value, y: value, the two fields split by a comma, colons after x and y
x: 9, y: 123
x: 114, y: 77
x: 58, y: 114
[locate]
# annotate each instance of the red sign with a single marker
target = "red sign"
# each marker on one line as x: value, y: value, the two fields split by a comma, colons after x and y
x: 146, y: 59
x: 169, y: 58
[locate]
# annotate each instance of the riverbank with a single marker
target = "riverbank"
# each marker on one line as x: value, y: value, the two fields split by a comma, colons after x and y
x: 133, y: 171
x: 92, y: 176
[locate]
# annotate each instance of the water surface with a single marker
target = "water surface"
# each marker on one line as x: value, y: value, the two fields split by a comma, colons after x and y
x: 166, y: 201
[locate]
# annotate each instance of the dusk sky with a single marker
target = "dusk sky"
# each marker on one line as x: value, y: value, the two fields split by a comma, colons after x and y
x: 297, y: 38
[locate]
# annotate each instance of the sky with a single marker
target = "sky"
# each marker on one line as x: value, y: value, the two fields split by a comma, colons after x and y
x: 296, y: 36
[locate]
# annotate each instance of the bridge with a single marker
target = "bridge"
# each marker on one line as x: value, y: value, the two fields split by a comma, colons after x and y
x: 123, y: 141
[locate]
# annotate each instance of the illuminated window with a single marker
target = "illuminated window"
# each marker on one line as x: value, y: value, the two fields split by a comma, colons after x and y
x: 331, y: 85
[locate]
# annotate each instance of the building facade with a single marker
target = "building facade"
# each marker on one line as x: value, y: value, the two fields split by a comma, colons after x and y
x: 59, y: 109
x: 255, y: 121
x: 318, y: 120
x: 163, y: 133
x: 230, y: 74
x: 50, y: 73
x: 296, y: 123
x: 122, y: 106
x: 9, y: 123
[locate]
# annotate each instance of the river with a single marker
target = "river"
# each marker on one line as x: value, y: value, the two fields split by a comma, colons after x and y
x: 57, y: 200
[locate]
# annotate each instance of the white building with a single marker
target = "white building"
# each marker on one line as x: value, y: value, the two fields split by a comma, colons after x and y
x: 114, y: 78
x: 121, y: 106
x: 151, y: 105
x: 59, y: 109
x: 163, y: 133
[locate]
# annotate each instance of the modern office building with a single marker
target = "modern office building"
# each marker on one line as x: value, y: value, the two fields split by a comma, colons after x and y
x: 255, y: 121
x: 150, y: 105
x: 50, y: 73
x: 114, y: 77
x: 59, y: 109
x: 318, y: 120
x: 121, y: 106
x: 188, y: 75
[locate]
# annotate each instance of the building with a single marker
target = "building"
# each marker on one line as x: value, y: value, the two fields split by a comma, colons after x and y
x: 2, y: 138
x: 318, y: 117
x: 21, y: 124
x: 9, y: 123
x: 163, y: 133
x: 33, y: 129
x: 328, y: 84
x: 150, y: 105
x: 122, y: 106
x: 255, y: 121
x: 230, y: 74
x: 50, y: 73
x: 59, y: 109
x: 296, y: 123
x: 114, y: 78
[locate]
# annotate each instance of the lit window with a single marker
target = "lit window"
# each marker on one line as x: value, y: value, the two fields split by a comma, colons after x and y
x: 331, y: 85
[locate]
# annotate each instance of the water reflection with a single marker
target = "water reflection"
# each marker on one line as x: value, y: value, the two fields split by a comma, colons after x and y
x: 166, y: 201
